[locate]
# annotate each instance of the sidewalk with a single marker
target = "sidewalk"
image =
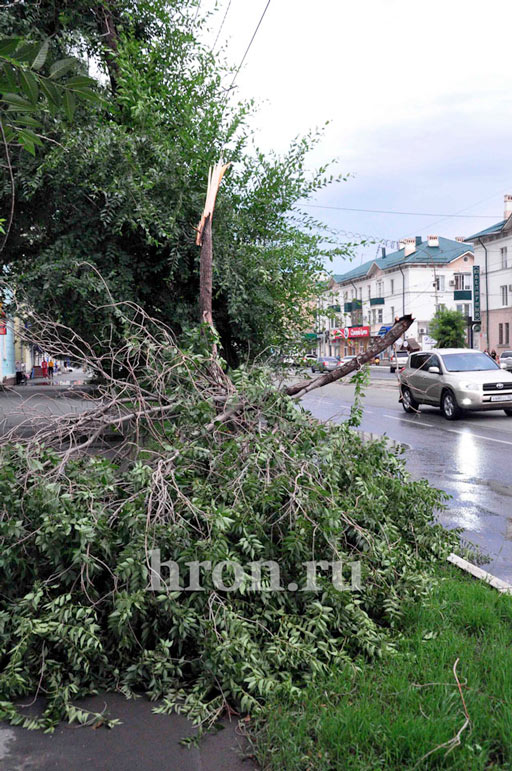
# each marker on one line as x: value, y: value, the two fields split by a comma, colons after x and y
x: 63, y: 383
x: 143, y: 741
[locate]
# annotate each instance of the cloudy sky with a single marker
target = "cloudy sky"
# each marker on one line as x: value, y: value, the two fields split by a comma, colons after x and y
x: 418, y: 96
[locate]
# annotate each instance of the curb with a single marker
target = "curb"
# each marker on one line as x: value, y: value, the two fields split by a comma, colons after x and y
x: 482, y: 575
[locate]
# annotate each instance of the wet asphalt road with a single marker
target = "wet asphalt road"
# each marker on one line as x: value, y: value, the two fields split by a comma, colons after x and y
x: 471, y: 459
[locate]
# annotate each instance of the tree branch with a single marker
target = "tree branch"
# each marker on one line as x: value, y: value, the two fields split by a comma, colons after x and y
x: 401, y: 326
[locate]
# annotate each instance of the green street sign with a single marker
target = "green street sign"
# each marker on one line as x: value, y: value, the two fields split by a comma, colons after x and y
x: 476, y: 294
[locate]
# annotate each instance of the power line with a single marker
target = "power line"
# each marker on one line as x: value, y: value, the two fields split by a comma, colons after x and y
x: 249, y: 46
x: 409, y: 213
x: 221, y: 25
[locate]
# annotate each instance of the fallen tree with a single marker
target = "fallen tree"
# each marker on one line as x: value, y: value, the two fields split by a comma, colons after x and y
x: 84, y: 606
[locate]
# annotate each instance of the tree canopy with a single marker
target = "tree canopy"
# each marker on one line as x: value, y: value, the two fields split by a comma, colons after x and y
x: 123, y: 189
x: 448, y: 328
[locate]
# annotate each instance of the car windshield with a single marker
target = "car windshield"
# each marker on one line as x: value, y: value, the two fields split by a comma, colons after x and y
x: 506, y: 355
x: 468, y: 362
x: 329, y: 358
x: 402, y: 354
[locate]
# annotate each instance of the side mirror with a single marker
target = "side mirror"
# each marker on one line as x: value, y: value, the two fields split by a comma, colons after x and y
x: 434, y: 370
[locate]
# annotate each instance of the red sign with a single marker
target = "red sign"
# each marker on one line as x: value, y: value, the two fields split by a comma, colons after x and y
x: 359, y: 331
x: 347, y: 333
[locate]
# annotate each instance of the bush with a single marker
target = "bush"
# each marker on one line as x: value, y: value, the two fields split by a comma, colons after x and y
x: 76, y: 612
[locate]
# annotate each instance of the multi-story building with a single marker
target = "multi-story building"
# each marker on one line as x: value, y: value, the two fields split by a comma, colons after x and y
x: 419, y: 278
x: 493, y: 253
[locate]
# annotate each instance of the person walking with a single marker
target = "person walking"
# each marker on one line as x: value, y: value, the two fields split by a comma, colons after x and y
x: 44, y: 368
x: 51, y: 367
x: 19, y: 373
x: 494, y: 355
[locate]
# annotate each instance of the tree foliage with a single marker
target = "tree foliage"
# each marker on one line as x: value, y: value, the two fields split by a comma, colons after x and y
x: 126, y: 189
x: 448, y: 328
x: 271, y: 483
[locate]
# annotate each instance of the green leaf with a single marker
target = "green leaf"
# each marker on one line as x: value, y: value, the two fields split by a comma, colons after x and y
x: 8, y: 45
x: 26, y: 120
x: 80, y: 80
x: 29, y: 85
x: 69, y: 104
x: 30, y: 136
x: 17, y: 102
x: 59, y: 68
x: 51, y: 92
x: 41, y: 55
x: 26, y: 52
x: 26, y: 142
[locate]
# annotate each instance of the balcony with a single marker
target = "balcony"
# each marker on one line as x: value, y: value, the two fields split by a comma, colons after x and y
x: 462, y: 294
x: 355, y: 305
x: 376, y: 301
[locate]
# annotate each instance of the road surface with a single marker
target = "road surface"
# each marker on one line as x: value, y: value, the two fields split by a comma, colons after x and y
x: 469, y: 458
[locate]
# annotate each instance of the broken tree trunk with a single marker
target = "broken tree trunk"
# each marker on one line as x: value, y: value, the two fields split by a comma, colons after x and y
x: 401, y: 326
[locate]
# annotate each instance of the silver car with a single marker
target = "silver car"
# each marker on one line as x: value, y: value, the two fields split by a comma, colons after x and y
x: 455, y: 379
x: 506, y: 359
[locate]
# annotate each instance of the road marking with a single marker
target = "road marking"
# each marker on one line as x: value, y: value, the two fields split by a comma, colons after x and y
x: 414, y: 422
x: 451, y: 430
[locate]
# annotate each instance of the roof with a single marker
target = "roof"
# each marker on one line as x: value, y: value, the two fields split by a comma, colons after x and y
x: 446, y: 252
x: 492, y: 230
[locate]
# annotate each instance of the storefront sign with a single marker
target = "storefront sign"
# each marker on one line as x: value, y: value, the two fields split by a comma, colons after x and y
x: 349, y: 333
x: 476, y: 293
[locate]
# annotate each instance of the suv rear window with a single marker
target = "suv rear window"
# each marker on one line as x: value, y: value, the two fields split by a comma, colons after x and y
x: 506, y: 355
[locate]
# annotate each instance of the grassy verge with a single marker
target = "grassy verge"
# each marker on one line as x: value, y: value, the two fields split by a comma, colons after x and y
x: 389, y: 714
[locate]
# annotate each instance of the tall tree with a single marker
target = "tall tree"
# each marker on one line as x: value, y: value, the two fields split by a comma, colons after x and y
x: 124, y: 189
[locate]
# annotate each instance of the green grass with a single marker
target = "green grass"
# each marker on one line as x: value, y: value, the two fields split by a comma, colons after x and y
x: 392, y: 712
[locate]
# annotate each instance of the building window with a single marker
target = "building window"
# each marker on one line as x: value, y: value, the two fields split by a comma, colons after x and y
x: 507, y: 333
x: 380, y: 288
x: 439, y: 283
x: 379, y: 319
x: 504, y: 294
x: 503, y: 253
x: 369, y: 292
x: 360, y: 292
x: 392, y: 314
x: 392, y: 286
x: 464, y: 309
x: 462, y: 282
x: 500, y: 334
x: 440, y: 307
x: 373, y: 316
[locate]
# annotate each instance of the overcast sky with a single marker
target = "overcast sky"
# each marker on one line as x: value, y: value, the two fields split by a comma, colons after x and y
x: 418, y: 95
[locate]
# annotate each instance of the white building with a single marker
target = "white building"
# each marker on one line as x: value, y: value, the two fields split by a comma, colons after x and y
x: 419, y: 278
x: 493, y: 253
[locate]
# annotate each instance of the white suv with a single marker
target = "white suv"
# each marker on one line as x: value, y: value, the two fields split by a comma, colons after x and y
x: 455, y: 379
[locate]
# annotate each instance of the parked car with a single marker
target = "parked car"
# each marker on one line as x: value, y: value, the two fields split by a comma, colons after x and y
x: 455, y: 379
x: 398, y: 360
x: 506, y: 359
x: 346, y: 359
x: 326, y: 364
x: 309, y: 359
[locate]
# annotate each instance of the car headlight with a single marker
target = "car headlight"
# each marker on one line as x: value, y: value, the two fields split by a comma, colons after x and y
x: 470, y: 386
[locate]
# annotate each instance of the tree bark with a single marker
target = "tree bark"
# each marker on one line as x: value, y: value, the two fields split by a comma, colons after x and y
x: 401, y: 326
x: 206, y: 274
x: 108, y: 30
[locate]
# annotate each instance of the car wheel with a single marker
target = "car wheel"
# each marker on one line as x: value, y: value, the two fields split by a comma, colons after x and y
x: 449, y: 406
x: 508, y: 412
x: 409, y: 403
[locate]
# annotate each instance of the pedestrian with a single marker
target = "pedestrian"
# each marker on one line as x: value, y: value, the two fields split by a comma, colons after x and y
x: 44, y: 368
x: 19, y: 373
x: 494, y: 355
x: 51, y: 367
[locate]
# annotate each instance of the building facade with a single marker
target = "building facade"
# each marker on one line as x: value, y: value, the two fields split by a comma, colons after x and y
x: 493, y: 254
x: 420, y: 278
